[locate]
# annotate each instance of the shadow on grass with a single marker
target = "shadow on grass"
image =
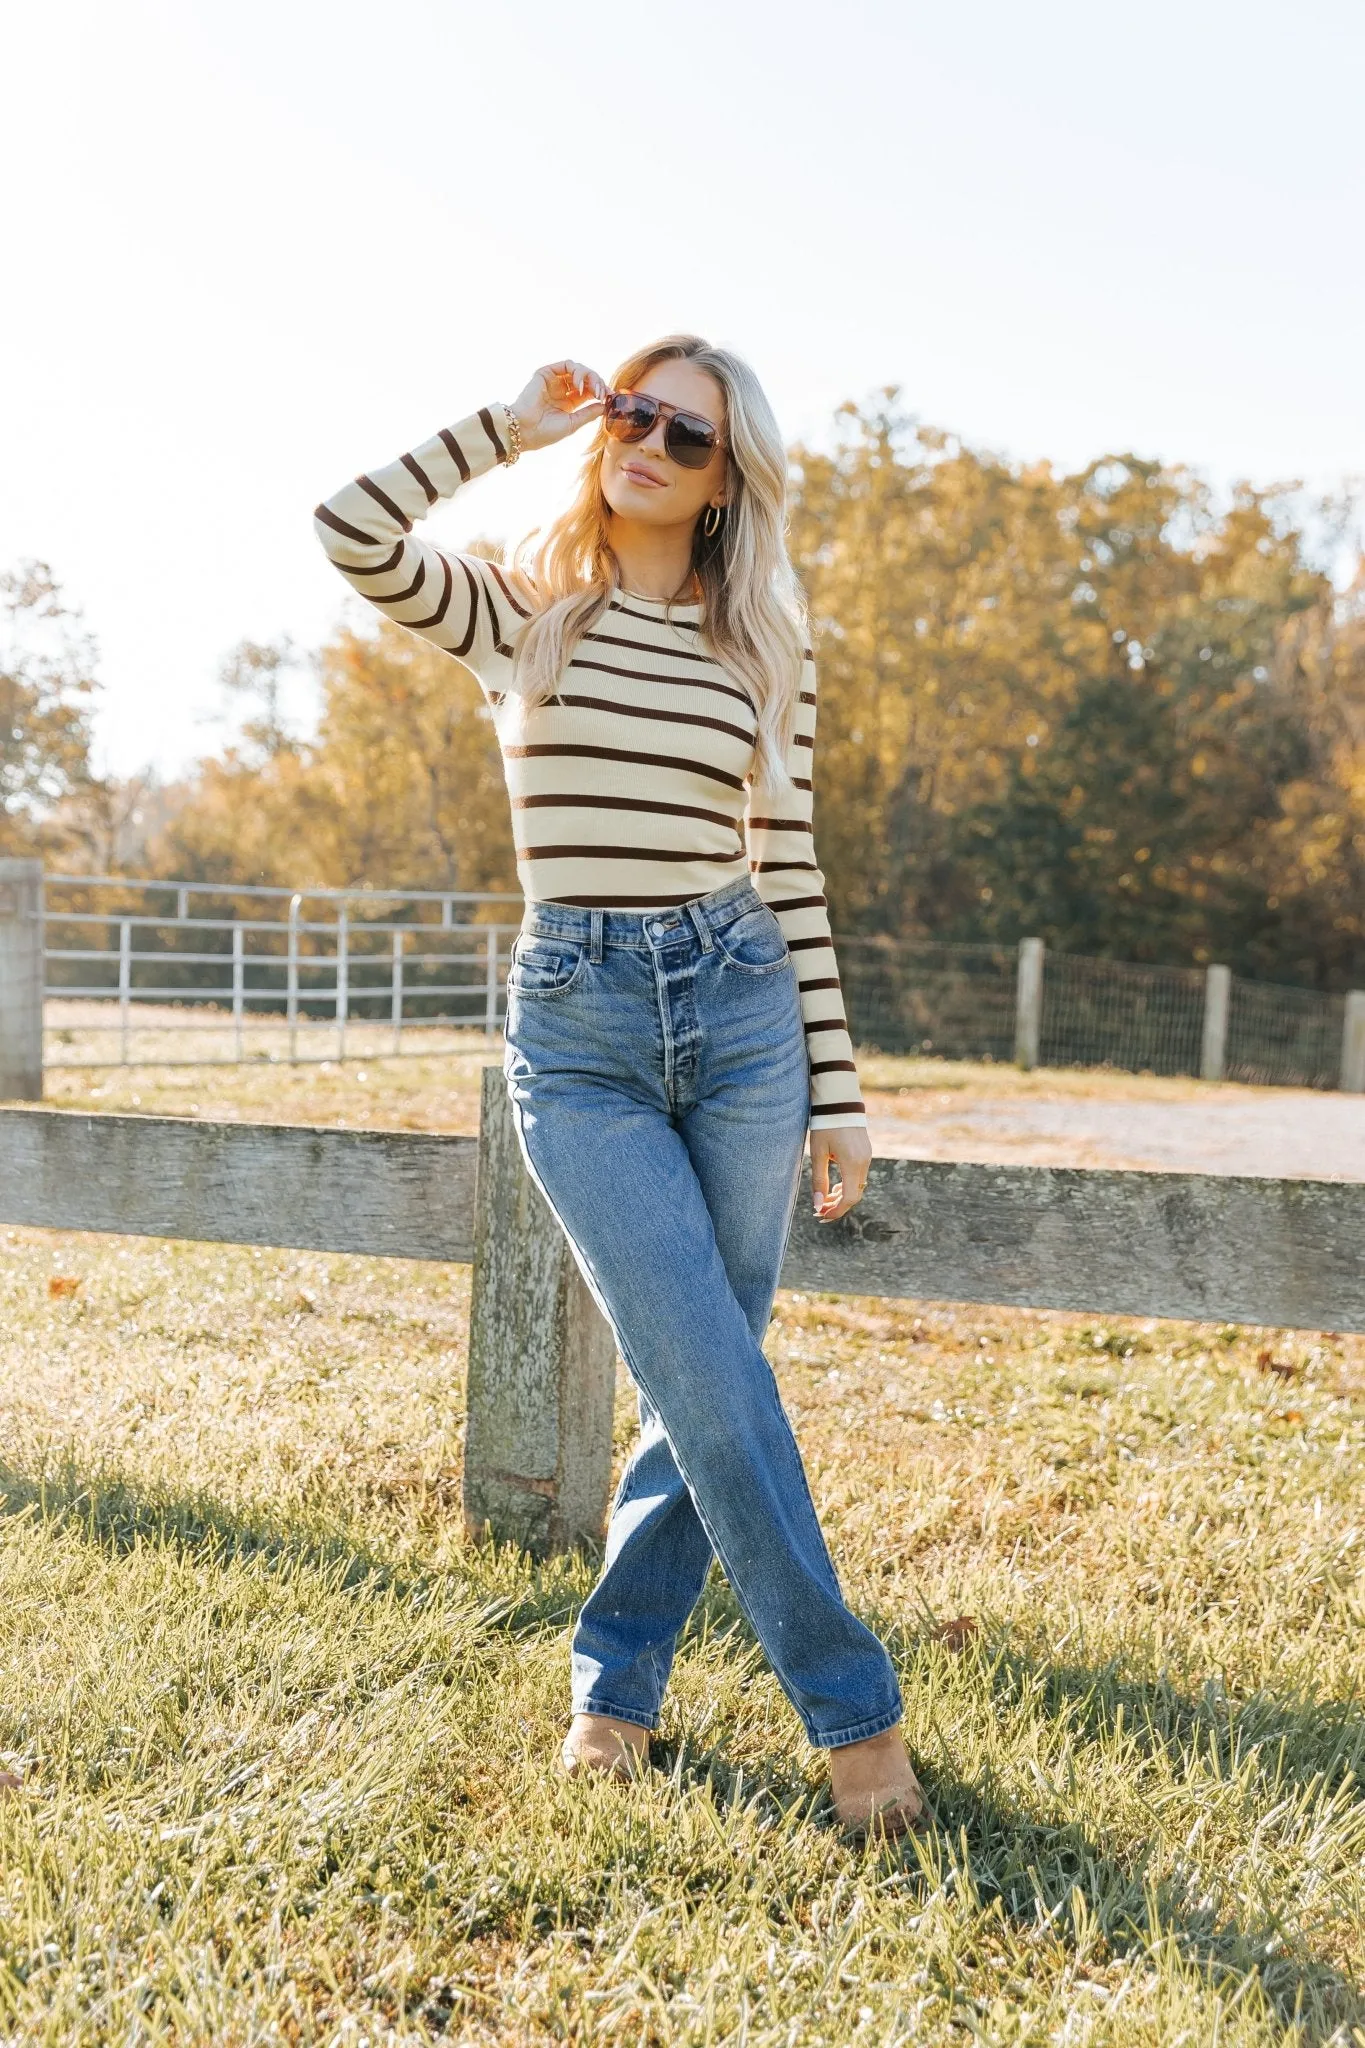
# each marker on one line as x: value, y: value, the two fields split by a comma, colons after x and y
x: 119, y: 1513
x: 1035, y: 1868
x: 1058, y: 1870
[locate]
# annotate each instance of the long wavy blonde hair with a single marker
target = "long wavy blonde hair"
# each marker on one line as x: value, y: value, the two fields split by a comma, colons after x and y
x: 753, y: 614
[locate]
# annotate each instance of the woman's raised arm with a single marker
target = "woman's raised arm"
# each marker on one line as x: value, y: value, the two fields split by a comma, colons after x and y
x: 461, y: 603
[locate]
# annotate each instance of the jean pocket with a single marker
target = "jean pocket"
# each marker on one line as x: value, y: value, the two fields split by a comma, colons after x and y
x: 754, y: 942
x: 544, y: 967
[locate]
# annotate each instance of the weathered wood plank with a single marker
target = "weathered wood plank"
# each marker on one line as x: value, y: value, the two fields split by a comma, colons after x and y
x: 1198, y: 1246
x: 399, y: 1194
x: 542, y: 1360
x: 1183, y: 1245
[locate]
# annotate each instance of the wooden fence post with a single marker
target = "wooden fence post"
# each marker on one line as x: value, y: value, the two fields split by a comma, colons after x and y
x: 1028, y: 1003
x: 1353, y: 1044
x: 1213, y: 1052
x: 21, y: 980
x: 542, y: 1360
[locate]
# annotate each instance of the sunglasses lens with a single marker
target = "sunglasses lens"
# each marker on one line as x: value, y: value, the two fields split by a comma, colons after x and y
x: 690, y: 440
x: 628, y: 418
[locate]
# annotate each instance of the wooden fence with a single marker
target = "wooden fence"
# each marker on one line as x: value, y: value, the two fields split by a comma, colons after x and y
x: 541, y: 1370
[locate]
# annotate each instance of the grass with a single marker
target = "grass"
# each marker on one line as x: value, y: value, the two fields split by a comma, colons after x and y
x: 284, y: 1737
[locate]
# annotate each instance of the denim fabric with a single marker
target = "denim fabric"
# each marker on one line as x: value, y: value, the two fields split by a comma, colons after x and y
x: 656, y: 1065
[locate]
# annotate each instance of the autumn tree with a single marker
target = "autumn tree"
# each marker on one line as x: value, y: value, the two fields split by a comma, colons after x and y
x: 47, y: 684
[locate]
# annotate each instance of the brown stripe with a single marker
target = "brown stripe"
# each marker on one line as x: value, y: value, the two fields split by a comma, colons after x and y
x: 455, y: 452
x: 520, y: 609
x: 382, y: 499
x: 415, y: 470
x: 568, y: 750
x: 836, y: 1109
x: 384, y: 567
x: 827, y: 1024
x: 782, y: 824
x: 621, y: 803
x: 401, y: 596
x: 665, y: 717
x: 720, y: 860
x: 650, y: 647
x: 782, y: 867
x: 677, y: 625
x: 329, y: 518
x: 499, y: 644
x: 829, y: 981
x: 418, y: 625
x: 796, y: 903
x: 804, y: 697
x: 639, y: 675
x: 800, y: 945
x: 832, y: 1067
x: 618, y: 902
x: 486, y: 422
x: 470, y: 578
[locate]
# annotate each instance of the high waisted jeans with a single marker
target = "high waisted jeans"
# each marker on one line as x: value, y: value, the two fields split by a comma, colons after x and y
x: 656, y: 1065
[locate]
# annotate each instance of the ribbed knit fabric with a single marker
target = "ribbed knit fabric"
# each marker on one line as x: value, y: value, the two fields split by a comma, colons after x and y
x: 630, y: 790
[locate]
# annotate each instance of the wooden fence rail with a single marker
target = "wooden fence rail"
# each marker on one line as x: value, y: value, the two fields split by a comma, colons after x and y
x: 1289, y: 1253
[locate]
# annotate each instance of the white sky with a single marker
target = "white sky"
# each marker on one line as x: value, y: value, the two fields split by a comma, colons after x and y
x: 256, y: 246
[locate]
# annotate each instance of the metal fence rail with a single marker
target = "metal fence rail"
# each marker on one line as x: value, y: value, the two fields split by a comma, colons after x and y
x: 283, y: 975
x: 173, y: 973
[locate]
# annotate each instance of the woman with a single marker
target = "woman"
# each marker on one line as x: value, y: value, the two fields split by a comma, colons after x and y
x: 674, y: 1022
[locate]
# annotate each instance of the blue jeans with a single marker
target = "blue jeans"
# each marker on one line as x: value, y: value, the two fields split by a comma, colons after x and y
x: 656, y: 1065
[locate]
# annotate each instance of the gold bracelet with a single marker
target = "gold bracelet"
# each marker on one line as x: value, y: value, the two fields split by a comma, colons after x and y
x: 513, y: 433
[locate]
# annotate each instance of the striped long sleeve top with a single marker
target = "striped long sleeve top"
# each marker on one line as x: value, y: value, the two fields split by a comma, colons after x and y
x: 630, y: 789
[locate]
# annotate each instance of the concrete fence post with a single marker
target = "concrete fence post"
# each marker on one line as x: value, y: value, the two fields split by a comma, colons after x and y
x: 542, y: 1360
x: 1213, y: 1052
x: 1353, y: 1044
x: 21, y: 980
x: 1028, y: 1003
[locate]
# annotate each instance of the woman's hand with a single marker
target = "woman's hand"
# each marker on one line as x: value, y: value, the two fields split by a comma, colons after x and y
x: 850, y: 1148
x: 559, y: 398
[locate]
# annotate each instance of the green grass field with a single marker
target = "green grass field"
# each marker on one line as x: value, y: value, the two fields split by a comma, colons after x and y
x: 284, y: 1741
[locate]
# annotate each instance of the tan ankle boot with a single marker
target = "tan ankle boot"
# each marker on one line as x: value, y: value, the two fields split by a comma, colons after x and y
x: 608, y: 1748
x: 873, y: 1787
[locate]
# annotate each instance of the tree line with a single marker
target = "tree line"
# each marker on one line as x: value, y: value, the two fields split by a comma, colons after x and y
x: 1101, y: 707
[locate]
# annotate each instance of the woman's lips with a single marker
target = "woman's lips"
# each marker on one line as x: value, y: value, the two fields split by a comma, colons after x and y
x: 641, y: 476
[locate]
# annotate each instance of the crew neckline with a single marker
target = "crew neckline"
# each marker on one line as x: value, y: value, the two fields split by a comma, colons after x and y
x: 673, y: 607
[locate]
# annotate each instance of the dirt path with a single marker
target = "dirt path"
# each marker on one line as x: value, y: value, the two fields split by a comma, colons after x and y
x: 1287, y: 1132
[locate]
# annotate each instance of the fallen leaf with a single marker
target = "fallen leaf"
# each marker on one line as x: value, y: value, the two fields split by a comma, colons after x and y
x: 1282, y: 1368
x: 61, y: 1285
x: 956, y: 1635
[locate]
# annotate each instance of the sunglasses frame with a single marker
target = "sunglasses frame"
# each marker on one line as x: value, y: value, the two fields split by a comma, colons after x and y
x: 668, y: 413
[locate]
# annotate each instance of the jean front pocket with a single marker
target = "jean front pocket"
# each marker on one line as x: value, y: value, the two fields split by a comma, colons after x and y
x: 754, y: 942
x: 543, y: 966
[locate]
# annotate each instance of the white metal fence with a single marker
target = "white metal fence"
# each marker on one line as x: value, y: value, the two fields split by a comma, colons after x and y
x: 193, y: 973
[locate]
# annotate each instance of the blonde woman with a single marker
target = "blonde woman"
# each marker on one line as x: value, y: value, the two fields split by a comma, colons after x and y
x: 674, y: 1022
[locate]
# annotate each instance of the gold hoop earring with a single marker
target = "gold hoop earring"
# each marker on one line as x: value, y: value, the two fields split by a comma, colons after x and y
x: 711, y: 524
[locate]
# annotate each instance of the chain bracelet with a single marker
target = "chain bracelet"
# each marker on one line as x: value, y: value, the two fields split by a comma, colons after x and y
x: 513, y: 433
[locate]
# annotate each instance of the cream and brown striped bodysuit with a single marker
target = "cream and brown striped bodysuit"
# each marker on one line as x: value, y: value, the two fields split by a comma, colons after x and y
x: 630, y: 790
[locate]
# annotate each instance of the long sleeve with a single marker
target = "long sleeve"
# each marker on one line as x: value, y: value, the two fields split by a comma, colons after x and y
x: 461, y: 603
x: 790, y: 881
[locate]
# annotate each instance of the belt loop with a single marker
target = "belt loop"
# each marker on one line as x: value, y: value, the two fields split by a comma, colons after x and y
x: 699, y: 920
x: 595, y: 935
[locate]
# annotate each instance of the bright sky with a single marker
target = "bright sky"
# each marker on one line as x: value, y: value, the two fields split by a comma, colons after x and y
x: 264, y: 244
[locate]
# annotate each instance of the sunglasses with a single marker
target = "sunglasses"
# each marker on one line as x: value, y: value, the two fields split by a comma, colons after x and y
x: 632, y: 416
